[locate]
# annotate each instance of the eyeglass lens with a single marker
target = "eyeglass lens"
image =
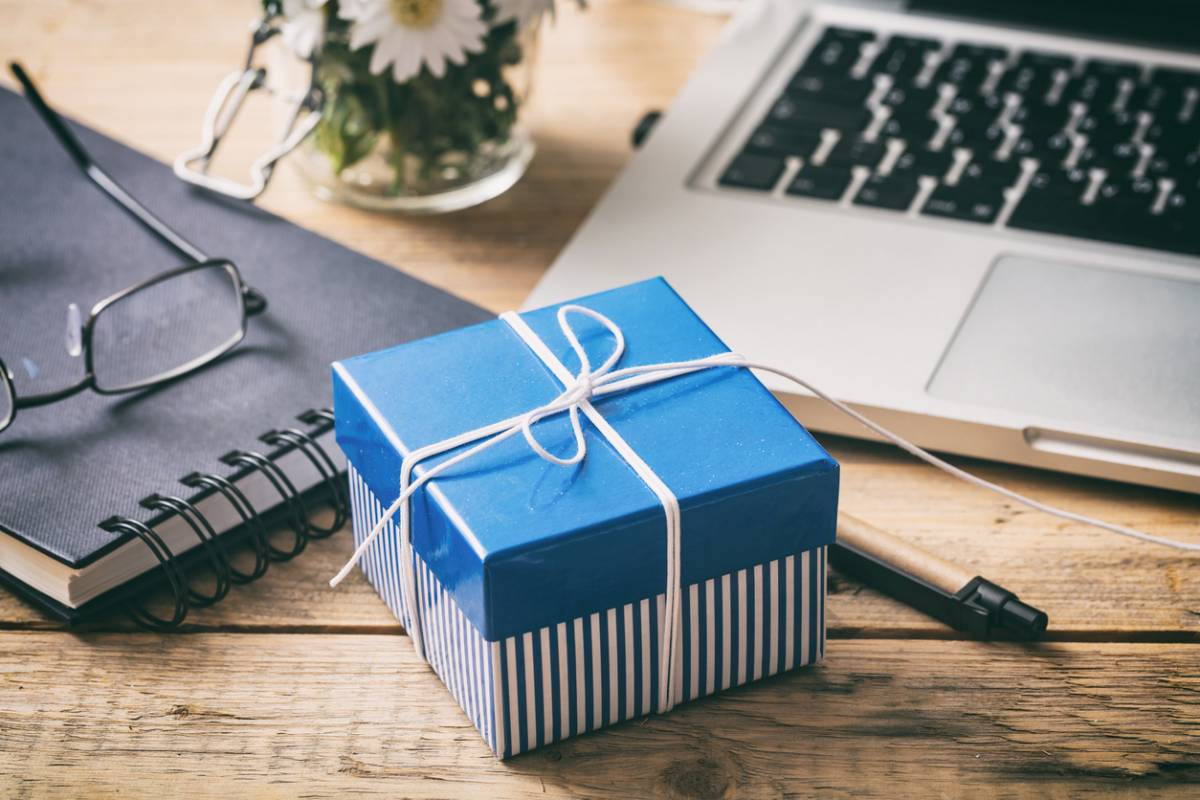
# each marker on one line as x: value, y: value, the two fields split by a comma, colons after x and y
x: 167, y: 328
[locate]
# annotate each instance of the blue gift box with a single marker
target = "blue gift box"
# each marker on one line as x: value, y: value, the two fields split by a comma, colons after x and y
x: 540, y: 587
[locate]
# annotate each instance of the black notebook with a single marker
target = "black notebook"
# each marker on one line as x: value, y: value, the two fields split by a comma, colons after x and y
x: 76, y: 476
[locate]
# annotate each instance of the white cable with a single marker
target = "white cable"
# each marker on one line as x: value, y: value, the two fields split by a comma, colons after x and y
x: 730, y: 359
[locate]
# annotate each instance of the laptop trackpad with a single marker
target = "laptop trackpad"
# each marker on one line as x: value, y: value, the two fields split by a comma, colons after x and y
x: 1090, y: 345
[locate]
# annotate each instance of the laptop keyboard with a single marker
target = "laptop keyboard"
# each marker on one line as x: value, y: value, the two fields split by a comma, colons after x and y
x: 1036, y: 141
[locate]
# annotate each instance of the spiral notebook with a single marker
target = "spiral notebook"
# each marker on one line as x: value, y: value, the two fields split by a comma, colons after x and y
x: 103, y: 498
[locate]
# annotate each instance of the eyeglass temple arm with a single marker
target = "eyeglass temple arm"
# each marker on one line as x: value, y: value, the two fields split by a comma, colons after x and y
x: 255, y: 301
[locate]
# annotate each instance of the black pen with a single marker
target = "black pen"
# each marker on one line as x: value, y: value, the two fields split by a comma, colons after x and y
x: 931, y: 584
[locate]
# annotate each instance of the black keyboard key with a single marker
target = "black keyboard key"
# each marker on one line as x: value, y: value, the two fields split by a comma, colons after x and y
x: 1131, y: 221
x: 1094, y: 93
x: 1120, y: 159
x: 749, y: 171
x: 913, y: 128
x: 1023, y: 147
x: 986, y: 141
x: 1104, y: 130
x: 1189, y: 166
x: 1051, y: 150
x: 1147, y: 97
x: 851, y: 150
x: 836, y: 52
x: 827, y: 182
x: 1159, y: 165
x: 1175, y: 78
x: 1121, y: 213
x: 1039, y: 118
x: 921, y: 161
x: 903, y: 57
x: 1062, y: 186
x: 986, y: 108
x: 1099, y: 83
x: 970, y: 201
x: 967, y: 67
x: 835, y: 89
x: 1004, y: 173
x: 1176, y: 85
x: 973, y: 117
x: 768, y: 140
x: 912, y: 99
x: 1032, y: 75
x: 895, y: 191
x: 1175, y: 228
x: 814, y: 115
x: 1175, y: 141
x: 1053, y: 203
x: 1135, y: 193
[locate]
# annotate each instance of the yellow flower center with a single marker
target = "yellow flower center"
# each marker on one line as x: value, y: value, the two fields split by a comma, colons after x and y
x: 416, y: 13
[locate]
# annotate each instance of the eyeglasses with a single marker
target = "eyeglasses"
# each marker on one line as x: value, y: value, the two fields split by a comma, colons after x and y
x: 163, y: 328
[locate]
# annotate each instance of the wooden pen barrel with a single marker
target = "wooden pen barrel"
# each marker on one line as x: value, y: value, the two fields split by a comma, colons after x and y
x: 893, y: 550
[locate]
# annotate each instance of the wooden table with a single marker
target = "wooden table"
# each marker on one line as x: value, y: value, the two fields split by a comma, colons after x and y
x: 290, y: 689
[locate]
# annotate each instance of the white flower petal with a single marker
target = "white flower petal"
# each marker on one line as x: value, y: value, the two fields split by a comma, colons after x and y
x: 380, y: 58
x: 410, y: 62
x: 458, y: 30
x: 368, y: 30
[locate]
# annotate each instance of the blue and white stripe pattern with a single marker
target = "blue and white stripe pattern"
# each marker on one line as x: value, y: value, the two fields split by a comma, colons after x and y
x: 582, y: 674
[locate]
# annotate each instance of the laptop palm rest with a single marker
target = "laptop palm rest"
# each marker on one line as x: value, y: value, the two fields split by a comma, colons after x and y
x: 1110, y: 351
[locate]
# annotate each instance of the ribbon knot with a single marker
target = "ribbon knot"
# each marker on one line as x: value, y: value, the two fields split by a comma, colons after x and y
x: 579, y: 391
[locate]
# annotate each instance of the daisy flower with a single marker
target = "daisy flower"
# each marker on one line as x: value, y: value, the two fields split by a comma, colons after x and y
x: 303, y: 25
x: 524, y: 12
x: 409, y: 34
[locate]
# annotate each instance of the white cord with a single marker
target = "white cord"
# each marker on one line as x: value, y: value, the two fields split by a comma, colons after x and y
x: 962, y: 474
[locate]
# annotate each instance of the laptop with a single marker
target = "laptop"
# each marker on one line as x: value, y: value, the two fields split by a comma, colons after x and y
x: 976, y: 222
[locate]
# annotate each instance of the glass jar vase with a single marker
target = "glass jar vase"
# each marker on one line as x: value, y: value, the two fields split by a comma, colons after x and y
x: 430, y: 144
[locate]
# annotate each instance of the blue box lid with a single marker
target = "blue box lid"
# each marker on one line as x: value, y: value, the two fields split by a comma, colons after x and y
x: 522, y: 543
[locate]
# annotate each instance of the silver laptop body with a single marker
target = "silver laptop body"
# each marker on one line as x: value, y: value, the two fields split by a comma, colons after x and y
x: 975, y: 337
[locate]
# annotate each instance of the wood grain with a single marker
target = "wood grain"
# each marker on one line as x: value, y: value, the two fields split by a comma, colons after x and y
x: 215, y: 715
x: 290, y: 689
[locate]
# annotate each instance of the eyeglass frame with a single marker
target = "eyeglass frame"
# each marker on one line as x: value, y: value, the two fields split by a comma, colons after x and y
x: 251, y: 302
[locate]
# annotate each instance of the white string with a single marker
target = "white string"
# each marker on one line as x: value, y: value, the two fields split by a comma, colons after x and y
x: 670, y: 672
x: 588, y: 383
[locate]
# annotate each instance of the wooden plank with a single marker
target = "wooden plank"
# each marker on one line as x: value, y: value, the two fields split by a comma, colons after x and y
x: 1093, y: 585
x: 282, y: 715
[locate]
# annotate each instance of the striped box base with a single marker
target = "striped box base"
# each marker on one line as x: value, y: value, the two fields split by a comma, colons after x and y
x: 585, y: 673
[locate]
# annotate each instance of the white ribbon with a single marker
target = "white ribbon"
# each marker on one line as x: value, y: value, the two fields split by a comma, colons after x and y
x: 576, y: 397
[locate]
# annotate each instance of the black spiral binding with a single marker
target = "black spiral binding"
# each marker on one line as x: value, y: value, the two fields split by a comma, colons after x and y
x: 316, y: 456
x: 298, y: 516
x: 213, y: 547
x: 251, y: 522
x: 218, y: 558
x: 166, y: 559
